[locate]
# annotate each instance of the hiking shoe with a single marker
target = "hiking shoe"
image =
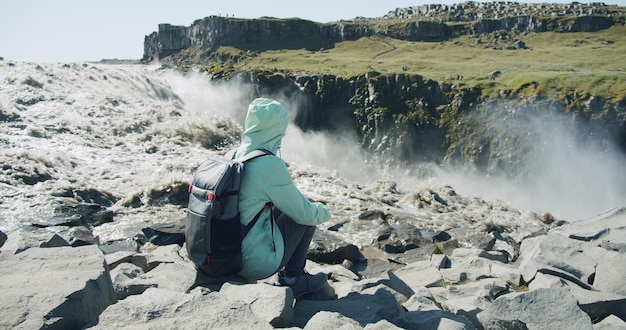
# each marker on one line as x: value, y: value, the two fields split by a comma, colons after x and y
x: 305, y: 283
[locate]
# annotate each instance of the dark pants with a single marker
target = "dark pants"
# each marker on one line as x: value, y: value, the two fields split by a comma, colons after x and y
x: 297, y: 238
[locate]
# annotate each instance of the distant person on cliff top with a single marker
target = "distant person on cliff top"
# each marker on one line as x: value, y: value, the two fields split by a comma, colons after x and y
x: 278, y: 245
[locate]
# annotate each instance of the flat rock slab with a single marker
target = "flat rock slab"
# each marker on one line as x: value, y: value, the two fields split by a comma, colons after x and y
x: 536, y: 309
x: 165, y: 309
x: 594, y: 228
x: 54, y: 288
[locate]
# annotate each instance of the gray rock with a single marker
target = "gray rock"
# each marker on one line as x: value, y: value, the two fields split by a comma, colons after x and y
x: 23, y: 240
x: 594, y: 228
x: 422, y: 300
x: 270, y: 303
x: 161, y: 267
x: 381, y: 325
x: 497, y: 324
x: 471, y: 264
x: 615, y: 240
x: 165, y: 309
x: 141, y: 260
x: 501, y: 256
x: 439, y: 320
x: 468, y: 307
x: 153, y: 256
x: 55, y: 288
x: 335, y: 272
x: 331, y: 320
x: 363, y: 308
x: 599, y: 305
x: 473, y: 297
x: 327, y: 292
x: 400, y: 298
x: 610, y: 323
x: 78, y: 236
x: 420, y: 273
x: 118, y: 257
x: 126, y: 282
x: 570, y: 256
x: 547, y: 270
x: 611, y: 274
x: 596, y: 304
x: 163, y: 254
x: 329, y: 248
x: 557, y: 308
x: 176, y: 276
x: 390, y: 280
x: 398, y: 237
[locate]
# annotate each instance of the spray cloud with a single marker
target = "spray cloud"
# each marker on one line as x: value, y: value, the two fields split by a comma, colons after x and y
x: 572, y: 170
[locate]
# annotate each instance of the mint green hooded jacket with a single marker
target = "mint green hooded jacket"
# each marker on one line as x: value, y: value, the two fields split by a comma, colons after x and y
x: 267, y: 179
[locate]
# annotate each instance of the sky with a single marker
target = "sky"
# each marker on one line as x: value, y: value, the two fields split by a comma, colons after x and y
x: 88, y: 30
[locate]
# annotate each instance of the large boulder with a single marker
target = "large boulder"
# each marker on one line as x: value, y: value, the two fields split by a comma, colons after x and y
x: 538, y: 308
x: 165, y: 309
x: 434, y: 319
x: 610, y: 273
x: 54, y: 288
x: 597, y: 304
x: 364, y: 308
x: 597, y: 228
x: 587, y: 252
x: 331, y: 320
x: 22, y: 240
x: 268, y: 302
x: 420, y: 273
x: 163, y: 267
x: 573, y: 259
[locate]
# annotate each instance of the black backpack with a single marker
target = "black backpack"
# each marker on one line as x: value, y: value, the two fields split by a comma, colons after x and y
x: 213, y: 233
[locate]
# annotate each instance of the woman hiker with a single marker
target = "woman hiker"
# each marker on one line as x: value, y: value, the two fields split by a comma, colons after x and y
x: 278, y: 245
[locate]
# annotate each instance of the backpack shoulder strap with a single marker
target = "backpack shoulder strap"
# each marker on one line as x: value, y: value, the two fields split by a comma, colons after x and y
x: 230, y: 154
x: 254, y: 154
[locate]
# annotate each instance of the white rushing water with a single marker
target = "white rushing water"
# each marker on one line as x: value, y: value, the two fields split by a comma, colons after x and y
x: 127, y: 129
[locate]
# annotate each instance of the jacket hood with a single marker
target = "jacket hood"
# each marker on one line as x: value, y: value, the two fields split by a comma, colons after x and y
x: 265, y: 126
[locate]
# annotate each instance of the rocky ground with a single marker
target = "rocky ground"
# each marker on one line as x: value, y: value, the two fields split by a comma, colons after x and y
x: 95, y: 165
x: 567, y: 276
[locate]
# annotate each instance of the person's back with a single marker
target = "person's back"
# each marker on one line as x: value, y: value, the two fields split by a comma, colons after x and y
x: 271, y: 245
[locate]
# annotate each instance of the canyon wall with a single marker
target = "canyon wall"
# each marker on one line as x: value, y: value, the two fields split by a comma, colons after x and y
x: 409, y: 118
x: 421, y: 23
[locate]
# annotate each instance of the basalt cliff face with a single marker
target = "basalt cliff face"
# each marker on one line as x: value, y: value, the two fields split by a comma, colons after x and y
x: 408, y: 117
x: 428, y: 22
